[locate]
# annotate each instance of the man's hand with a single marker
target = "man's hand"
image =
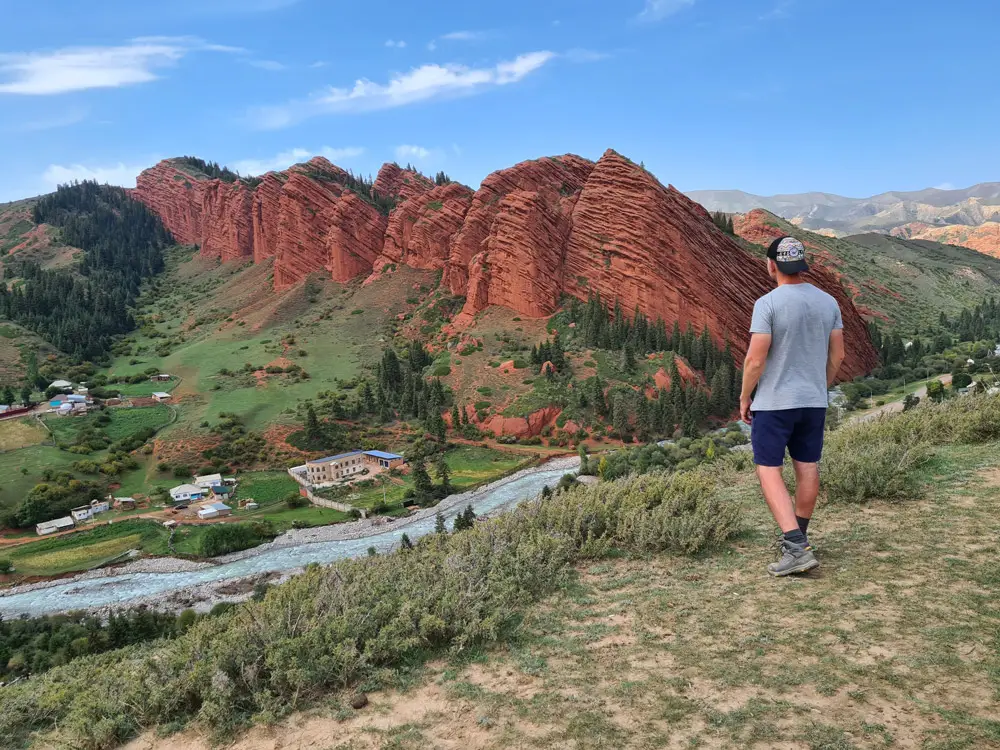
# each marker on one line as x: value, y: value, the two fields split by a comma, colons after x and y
x: 745, y: 414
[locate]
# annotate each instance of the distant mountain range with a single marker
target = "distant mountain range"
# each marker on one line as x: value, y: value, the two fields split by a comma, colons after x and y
x: 919, y: 214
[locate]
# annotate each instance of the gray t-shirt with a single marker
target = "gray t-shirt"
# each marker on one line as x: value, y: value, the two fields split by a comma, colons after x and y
x: 799, y: 318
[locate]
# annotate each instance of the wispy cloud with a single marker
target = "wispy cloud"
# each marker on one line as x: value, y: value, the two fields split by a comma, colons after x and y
x: 81, y: 68
x: 418, y: 85
x: 272, y: 65
x: 113, y: 174
x: 64, y: 120
x: 657, y: 10
x: 412, y: 152
x: 586, y: 55
x: 294, y: 156
x: 780, y: 10
x: 400, y: 44
x: 944, y: 186
x: 463, y: 36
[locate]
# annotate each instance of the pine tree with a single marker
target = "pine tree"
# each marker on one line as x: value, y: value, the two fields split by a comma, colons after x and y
x: 26, y: 395
x: 422, y: 483
x: 444, y: 476
x: 627, y: 361
x: 620, y: 416
x: 456, y: 418
x: 405, y: 543
x: 584, y: 467
x: 721, y: 402
x: 439, y: 527
x: 7, y: 396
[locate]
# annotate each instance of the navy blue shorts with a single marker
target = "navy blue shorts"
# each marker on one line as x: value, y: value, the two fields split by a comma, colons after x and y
x: 799, y: 430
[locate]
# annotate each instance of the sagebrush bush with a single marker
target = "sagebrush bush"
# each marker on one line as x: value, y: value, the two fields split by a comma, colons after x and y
x: 878, y: 460
x: 330, y: 627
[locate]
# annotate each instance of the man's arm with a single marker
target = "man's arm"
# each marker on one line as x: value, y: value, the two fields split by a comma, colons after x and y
x: 835, y: 356
x: 753, y: 368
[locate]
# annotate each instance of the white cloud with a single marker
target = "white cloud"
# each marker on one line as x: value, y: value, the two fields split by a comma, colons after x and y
x: 586, y: 55
x: 319, y: 64
x: 272, y: 65
x: 412, y: 152
x: 80, y: 68
x: 293, y: 156
x: 657, y: 10
x: 397, y: 44
x: 432, y: 46
x: 115, y: 174
x: 463, y: 36
x: 944, y: 186
x: 418, y: 85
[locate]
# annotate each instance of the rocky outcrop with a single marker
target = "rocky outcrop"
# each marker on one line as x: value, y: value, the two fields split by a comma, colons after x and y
x: 402, y: 183
x: 420, y: 229
x: 550, y: 178
x: 984, y: 238
x: 530, y: 234
x: 522, y: 427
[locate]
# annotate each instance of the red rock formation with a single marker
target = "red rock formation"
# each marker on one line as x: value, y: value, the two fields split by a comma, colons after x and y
x: 420, y: 229
x: 984, y: 238
x: 405, y: 183
x: 554, y: 176
x: 522, y: 427
x: 531, y: 233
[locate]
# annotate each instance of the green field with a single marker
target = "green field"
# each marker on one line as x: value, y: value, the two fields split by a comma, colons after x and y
x: 265, y: 486
x: 124, y: 422
x: 146, y: 388
x: 87, y: 549
x: 21, y: 470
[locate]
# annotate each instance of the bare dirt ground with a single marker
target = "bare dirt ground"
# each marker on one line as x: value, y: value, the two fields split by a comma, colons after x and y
x: 891, y: 643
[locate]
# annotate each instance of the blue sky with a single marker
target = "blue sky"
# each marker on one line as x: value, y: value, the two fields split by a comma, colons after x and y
x: 846, y: 96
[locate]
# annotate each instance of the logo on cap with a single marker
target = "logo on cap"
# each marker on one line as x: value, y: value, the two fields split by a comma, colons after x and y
x: 790, y: 250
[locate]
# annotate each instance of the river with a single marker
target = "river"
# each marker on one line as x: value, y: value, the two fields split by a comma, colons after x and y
x: 117, y: 590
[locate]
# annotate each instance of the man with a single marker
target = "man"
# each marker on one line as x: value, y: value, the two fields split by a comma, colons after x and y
x: 796, y: 349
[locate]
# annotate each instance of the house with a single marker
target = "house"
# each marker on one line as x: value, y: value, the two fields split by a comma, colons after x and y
x: 60, y: 385
x: 86, y: 512
x: 222, y: 491
x: 55, y: 403
x: 332, y: 468
x: 186, y: 492
x: 56, y: 524
x: 208, y: 481
x: 162, y: 377
x: 161, y: 396
x: 125, y: 503
x: 383, y: 460
x: 76, y: 398
x: 215, y: 510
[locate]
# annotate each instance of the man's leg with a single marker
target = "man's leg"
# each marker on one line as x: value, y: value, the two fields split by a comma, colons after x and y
x: 806, y: 492
x: 770, y: 435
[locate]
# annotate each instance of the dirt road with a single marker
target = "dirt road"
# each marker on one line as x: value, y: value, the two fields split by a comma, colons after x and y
x: 897, y: 406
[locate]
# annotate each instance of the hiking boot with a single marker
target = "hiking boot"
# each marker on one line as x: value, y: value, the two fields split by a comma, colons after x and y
x: 795, y: 558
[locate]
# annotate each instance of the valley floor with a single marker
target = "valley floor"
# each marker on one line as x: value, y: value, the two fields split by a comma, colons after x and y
x: 893, y: 642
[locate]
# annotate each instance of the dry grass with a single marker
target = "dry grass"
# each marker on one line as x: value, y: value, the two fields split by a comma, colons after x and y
x: 892, y: 643
x: 20, y: 433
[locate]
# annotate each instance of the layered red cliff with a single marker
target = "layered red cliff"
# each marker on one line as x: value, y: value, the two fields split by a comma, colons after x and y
x: 531, y: 234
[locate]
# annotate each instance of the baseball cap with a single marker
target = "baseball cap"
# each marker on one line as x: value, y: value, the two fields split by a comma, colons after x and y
x: 789, y: 255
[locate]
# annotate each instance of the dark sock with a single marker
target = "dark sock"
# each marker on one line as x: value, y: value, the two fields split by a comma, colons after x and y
x: 803, y: 524
x: 796, y: 537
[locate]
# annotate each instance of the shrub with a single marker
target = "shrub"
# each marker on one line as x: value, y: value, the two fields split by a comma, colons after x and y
x: 441, y: 371
x: 6, y: 566
x: 221, y: 539
x: 333, y: 626
x: 875, y: 461
x: 295, y: 500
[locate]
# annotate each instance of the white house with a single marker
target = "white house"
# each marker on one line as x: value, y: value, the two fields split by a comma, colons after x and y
x: 161, y: 396
x: 215, y: 510
x: 83, y: 513
x: 186, y: 492
x: 56, y: 524
x: 60, y: 384
x: 208, y: 481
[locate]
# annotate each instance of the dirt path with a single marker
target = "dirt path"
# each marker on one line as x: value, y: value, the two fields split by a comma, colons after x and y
x: 889, y: 644
x: 897, y: 406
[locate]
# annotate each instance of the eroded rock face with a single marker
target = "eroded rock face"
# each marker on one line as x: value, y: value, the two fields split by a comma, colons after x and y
x: 530, y: 234
x: 552, y: 177
x: 420, y: 229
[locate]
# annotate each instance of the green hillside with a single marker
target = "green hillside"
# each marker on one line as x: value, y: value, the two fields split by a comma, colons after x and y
x: 900, y: 282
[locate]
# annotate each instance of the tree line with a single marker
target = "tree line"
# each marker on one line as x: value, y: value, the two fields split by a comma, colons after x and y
x: 122, y: 243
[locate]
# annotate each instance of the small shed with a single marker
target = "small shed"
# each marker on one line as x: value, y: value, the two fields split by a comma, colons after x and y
x: 215, y: 510
x: 83, y: 513
x: 56, y: 524
x: 161, y: 378
x: 161, y: 396
x: 222, y: 491
x: 60, y: 384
